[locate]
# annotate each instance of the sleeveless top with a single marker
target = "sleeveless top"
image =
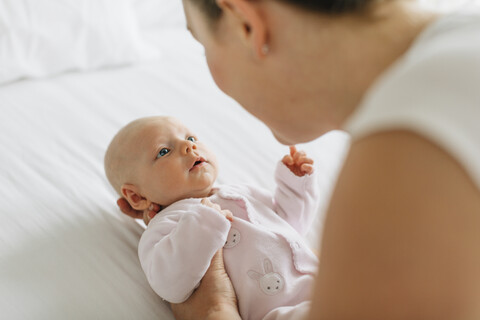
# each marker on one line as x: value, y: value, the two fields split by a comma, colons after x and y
x: 432, y: 90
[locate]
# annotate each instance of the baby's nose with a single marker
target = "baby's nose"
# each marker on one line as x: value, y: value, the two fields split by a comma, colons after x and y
x: 189, y: 146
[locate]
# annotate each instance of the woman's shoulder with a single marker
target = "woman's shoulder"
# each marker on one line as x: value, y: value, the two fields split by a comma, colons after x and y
x: 405, y: 197
x: 446, y: 53
x: 450, y: 45
x: 402, y: 208
x: 433, y: 91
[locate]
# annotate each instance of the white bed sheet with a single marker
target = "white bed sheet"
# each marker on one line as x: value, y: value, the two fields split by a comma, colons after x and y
x: 66, y: 252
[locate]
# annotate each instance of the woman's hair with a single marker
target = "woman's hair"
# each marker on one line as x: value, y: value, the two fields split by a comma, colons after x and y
x: 213, y: 12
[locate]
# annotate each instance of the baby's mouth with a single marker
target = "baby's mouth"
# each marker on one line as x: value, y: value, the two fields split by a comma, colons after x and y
x: 198, y: 163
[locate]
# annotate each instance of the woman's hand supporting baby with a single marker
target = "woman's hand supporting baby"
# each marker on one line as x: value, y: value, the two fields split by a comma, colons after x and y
x: 146, y: 215
x: 214, y: 299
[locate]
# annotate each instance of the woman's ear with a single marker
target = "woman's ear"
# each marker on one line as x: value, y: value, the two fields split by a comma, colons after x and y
x: 134, y: 198
x: 248, y: 20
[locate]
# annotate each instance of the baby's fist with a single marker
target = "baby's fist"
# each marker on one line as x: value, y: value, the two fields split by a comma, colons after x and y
x: 298, y: 162
x: 226, y: 213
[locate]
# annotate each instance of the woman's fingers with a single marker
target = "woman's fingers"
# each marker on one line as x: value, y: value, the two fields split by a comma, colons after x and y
x: 146, y: 215
x: 128, y: 210
x: 216, y: 277
x: 155, y: 208
x: 215, y: 294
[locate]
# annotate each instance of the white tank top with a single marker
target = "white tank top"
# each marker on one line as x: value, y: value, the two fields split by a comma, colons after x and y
x: 433, y: 90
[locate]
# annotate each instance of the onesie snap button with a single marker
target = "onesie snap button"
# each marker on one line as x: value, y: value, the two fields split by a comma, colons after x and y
x: 233, y: 238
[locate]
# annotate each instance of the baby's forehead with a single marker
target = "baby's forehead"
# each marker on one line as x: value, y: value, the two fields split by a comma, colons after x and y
x: 151, y: 132
x: 163, y: 126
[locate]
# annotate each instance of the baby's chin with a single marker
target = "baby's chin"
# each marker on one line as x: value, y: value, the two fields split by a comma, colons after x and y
x: 203, y: 193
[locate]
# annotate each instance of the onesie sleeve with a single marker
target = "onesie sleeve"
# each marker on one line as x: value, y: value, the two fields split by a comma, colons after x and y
x: 176, y: 249
x: 296, y: 198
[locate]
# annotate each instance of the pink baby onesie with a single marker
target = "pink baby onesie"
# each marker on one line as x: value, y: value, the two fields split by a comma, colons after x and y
x: 265, y: 255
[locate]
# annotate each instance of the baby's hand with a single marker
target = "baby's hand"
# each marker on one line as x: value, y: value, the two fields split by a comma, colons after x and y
x: 226, y: 213
x: 298, y: 162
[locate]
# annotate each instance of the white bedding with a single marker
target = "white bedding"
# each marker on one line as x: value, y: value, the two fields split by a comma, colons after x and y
x: 66, y: 251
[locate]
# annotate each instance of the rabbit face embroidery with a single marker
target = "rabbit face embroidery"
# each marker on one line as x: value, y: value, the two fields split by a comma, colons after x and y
x: 270, y: 282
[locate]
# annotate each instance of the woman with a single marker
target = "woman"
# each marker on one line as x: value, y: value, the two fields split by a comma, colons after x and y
x: 402, y: 234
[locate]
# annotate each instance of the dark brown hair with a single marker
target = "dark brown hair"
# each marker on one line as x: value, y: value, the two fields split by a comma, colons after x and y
x: 213, y: 12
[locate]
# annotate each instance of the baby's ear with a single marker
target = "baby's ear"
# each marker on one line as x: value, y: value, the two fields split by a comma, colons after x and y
x: 136, y: 201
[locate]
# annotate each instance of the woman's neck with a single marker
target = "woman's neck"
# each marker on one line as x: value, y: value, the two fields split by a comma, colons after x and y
x: 337, y: 59
x: 394, y: 28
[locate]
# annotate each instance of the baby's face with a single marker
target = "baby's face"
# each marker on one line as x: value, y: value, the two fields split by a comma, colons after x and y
x: 172, y: 163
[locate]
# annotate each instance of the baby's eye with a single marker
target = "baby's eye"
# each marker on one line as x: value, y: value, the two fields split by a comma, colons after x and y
x: 162, y: 152
x: 192, y: 139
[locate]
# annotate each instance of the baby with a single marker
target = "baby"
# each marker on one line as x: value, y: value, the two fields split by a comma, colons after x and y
x: 157, y: 160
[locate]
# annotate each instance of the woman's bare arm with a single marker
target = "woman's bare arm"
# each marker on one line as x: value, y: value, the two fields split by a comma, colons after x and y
x: 402, y: 235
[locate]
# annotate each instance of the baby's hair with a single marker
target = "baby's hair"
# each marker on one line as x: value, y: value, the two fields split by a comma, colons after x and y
x: 118, y: 163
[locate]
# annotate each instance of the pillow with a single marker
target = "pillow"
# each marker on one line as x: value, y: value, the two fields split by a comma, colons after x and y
x: 40, y: 38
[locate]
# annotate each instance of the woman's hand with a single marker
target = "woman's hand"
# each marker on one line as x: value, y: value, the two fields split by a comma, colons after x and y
x: 214, y: 299
x: 146, y: 215
x: 298, y: 162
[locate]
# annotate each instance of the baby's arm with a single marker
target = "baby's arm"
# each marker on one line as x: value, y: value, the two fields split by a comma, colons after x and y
x: 296, y: 196
x: 176, y: 249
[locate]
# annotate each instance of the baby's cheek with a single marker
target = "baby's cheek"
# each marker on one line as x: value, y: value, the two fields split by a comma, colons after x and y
x: 214, y: 165
x: 162, y: 189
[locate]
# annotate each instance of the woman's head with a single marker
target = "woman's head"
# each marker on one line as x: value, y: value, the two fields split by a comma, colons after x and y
x: 300, y: 66
x: 213, y: 12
